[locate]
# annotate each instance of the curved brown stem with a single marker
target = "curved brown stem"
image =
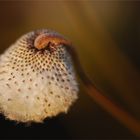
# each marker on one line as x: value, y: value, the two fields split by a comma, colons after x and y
x: 124, y: 117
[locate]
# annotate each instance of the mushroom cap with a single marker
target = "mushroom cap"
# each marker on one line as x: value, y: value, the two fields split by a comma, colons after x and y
x: 37, y: 78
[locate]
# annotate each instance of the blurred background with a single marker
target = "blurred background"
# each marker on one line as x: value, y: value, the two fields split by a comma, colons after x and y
x: 107, y: 38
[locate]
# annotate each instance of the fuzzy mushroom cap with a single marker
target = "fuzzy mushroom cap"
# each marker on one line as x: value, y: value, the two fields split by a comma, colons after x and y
x: 37, y: 79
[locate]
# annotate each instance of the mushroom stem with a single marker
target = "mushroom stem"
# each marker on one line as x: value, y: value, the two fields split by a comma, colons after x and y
x: 115, y: 110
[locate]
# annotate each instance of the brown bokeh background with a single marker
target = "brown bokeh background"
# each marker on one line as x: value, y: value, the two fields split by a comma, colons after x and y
x: 107, y: 38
